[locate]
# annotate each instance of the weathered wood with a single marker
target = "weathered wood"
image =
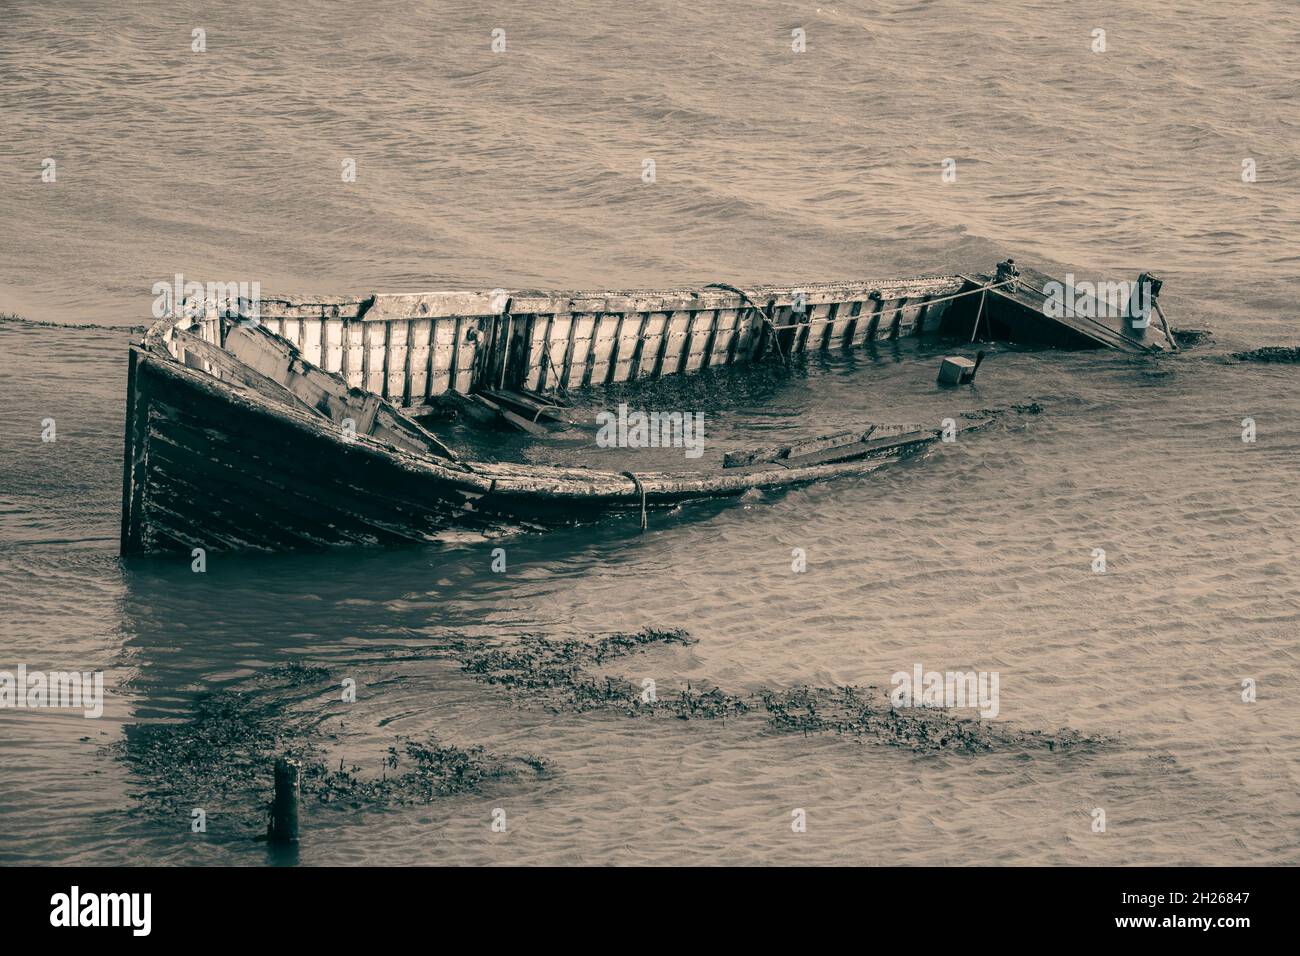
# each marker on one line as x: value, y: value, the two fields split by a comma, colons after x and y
x: 616, y: 346
x: 250, y: 444
x: 566, y: 368
x: 661, y: 345
x: 396, y: 371
x: 851, y: 327
x: 254, y: 350
x: 1022, y: 312
x: 634, y: 364
x: 543, y: 350
x: 869, y: 439
x: 283, y: 826
x: 534, y: 409
x: 508, y: 418
x: 132, y: 457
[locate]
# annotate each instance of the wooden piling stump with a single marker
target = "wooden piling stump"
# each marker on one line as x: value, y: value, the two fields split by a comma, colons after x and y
x: 283, y: 828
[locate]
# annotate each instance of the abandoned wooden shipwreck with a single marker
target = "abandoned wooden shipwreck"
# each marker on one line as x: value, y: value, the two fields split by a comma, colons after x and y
x: 294, y: 424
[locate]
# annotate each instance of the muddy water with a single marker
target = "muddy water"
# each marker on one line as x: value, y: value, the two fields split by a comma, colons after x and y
x: 525, y: 169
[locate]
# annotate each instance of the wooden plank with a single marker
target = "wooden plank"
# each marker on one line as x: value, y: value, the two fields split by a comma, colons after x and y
x: 922, y: 314
x: 741, y: 329
x: 841, y: 446
x: 665, y: 339
x: 510, y: 334
x: 373, y: 350
x: 441, y: 347
x: 873, y: 323
x: 762, y: 338
x: 332, y: 345
x: 566, y: 364
x: 137, y: 415
x: 508, y: 418
x: 535, y: 409
x: 418, y: 360
x: 544, y: 353
x: 851, y: 326
x: 832, y: 316
x: 638, y: 347
x: 897, y: 319
x: 354, y: 353
x: 311, y: 340
x: 589, y: 367
x: 684, y: 359
x: 395, y: 370
x: 251, y: 350
x: 786, y: 331
x: 616, y: 346
x: 560, y: 334
x: 457, y: 334
x: 724, y: 330
x: 431, y: 305
x: 710, y: 343
x: 471, y: 348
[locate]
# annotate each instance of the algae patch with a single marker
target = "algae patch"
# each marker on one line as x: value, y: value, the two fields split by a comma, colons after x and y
x: 221, y: 755
x: 1272, y: 353
x: 432, y: 770
x: 868, y: 714
x: 556, y: 673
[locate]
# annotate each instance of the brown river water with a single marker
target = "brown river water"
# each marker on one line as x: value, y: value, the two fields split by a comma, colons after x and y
x: 524, y: 168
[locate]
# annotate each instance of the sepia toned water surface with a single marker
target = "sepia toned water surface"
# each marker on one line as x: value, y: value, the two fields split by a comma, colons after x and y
x: 524, y: 168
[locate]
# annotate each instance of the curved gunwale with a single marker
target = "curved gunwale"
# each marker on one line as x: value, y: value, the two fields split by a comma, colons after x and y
x: 495, y: 478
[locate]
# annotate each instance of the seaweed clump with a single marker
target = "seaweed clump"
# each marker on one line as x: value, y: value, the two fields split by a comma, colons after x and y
x: 846, y: 710
x: 296, y: 674
x: 226, y: 744
x: 558, y: 672
x: 223, y: 753
x: 1271, y: 353
x: 433, y: 770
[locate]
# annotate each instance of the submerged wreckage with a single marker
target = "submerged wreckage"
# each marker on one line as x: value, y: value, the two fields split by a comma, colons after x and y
x: 294, y: 425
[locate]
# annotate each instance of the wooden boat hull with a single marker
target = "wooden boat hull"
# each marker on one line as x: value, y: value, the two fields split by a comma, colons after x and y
x: 290, y: 425
x: 208, y: 466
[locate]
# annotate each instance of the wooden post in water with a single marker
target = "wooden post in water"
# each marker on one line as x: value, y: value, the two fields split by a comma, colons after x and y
x: 283, y: 828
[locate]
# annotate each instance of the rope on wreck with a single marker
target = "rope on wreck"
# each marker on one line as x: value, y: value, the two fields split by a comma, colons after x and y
x: 641, y: 488
x: 767, y: 319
